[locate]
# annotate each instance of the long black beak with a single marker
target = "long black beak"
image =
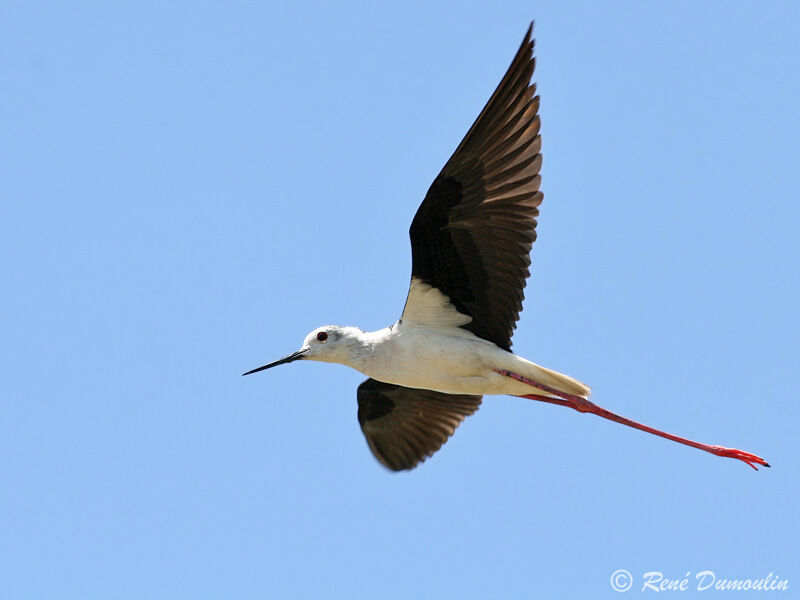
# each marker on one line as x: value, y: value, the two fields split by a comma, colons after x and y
x: 287, y: 359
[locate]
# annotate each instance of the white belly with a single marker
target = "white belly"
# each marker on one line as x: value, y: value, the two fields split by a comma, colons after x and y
x: 454, y: 361
x: 450, y: 361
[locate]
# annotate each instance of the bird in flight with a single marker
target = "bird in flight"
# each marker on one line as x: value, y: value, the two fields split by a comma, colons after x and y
x: 470, y: 242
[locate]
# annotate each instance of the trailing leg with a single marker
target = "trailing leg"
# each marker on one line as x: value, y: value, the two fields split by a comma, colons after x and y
x: 585, y: 406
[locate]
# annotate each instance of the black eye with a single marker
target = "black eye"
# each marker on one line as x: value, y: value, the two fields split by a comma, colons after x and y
x: 322, y: 336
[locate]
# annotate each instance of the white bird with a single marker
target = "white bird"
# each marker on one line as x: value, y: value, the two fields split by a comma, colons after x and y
x: 470, y: 242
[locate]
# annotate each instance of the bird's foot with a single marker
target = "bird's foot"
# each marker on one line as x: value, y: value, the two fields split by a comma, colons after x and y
x: 741, y: 455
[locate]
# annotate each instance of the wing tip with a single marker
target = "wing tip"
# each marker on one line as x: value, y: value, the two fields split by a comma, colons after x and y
x: 529, y: 39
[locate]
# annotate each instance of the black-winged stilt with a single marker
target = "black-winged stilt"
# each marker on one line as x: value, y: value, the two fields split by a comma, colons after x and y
x: 470, y: 243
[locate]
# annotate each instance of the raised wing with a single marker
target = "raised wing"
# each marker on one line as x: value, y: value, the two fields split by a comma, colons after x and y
x: 404, y: 426
x: 472, y: 235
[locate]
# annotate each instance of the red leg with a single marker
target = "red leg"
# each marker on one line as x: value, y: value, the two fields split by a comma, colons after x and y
x: 583, y: 405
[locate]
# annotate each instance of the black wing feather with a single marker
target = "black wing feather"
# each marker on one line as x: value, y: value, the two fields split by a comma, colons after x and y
x: 404, y: 426
x: 472, y: 235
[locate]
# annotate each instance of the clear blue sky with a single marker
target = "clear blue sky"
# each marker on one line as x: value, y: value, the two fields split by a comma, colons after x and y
x: 187, y: 190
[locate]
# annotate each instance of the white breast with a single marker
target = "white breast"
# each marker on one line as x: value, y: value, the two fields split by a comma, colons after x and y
x: 445, y: 359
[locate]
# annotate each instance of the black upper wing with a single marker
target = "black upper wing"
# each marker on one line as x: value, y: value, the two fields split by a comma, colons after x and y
x: 472, y: 235
x: 404, y: 426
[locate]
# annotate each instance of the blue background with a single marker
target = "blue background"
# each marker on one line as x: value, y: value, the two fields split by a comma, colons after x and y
x: 187, y: 189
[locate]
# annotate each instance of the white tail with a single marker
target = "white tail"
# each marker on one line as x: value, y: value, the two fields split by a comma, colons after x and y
x: 556, y: 380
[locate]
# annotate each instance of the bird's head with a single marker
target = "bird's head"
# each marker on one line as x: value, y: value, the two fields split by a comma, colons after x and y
x: 330, y: 343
